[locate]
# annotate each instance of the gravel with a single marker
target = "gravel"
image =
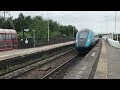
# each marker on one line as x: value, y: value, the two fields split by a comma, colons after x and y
x: 38, y: 73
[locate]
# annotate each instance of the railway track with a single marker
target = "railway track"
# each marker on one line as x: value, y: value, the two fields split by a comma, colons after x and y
x: 21, y: 71
x: 64, y: 68
x: 61, y: 71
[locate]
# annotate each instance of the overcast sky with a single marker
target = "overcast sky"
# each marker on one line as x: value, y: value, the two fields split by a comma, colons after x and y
x: 94, y: 20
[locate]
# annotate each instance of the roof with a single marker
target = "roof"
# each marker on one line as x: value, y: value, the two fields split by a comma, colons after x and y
x: 2, y: 31
x: 88, y: 30
x: 7, y: 31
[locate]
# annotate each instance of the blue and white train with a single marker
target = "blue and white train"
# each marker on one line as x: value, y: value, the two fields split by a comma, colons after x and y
x: 85, y: 40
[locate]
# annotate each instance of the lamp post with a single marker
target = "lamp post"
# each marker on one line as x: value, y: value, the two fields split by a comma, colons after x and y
x: 100, y: 32
x: 26, y: 41
x: 116, y: 25
x: 73, y: 26
x: 48, y: 26
x: 101, y: 29
x: 73, y: 31
x: 34, y: 37
x: 107, y: 24
x: 22, y: 40
x: 115, y: 22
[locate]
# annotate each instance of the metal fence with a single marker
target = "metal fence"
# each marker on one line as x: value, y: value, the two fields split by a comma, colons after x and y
x: 42, y: 42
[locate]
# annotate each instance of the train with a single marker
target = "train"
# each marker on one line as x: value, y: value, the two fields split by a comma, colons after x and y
x: 8, y: 39
x: 85, y: 40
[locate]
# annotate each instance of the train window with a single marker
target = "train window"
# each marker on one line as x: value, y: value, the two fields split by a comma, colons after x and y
x: 7, y: 36
x: 1, y: 37
x: 83, y: 35
x: 13, y: 36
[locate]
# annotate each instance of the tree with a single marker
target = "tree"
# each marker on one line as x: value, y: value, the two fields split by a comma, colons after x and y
x: 40, y: 26
x: 20, y: 23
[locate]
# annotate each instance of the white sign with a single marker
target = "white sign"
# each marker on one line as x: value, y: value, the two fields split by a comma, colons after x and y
x: 26, y: 41
x: 26, y: 30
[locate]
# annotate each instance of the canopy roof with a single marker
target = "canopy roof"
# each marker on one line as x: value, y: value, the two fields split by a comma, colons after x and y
x: 7, y: 31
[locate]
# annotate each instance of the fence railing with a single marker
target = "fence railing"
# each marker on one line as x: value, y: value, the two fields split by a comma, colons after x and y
x: 42, y: 42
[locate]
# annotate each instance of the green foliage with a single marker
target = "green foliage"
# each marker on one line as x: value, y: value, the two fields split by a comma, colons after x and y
x: 40, y: 26
x: 56, y: 34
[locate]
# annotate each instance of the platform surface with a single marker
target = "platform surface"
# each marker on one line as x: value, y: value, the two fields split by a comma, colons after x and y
x: 19, y: 52
x: 109, y: 63
x: 101, y: 71
x: 108, y: 66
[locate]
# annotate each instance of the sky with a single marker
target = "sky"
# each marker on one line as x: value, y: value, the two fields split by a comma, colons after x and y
x: 94, y: 20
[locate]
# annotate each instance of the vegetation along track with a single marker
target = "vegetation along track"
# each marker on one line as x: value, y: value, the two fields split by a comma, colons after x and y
x: 22, y: 71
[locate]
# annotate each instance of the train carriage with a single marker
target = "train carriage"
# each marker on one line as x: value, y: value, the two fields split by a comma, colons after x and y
x: 8, y: 39
x: 85, y: 40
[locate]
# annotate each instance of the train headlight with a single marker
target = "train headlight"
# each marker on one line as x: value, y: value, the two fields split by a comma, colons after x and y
x: 76, y: 40
x: 88, y: 40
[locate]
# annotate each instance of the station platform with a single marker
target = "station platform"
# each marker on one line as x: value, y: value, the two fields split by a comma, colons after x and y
x: 20, y: 52
x: 109, y: 63
x: 108, y: 66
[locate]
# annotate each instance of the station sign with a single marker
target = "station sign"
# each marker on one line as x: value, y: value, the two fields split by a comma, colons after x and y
x: 26, y: 30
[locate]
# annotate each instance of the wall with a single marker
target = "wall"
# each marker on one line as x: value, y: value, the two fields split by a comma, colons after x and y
x: 112, y: 42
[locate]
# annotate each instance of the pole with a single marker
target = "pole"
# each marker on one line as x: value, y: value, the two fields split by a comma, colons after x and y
x: 73, y: 31
x: 23, y: 40
x: 48, y: 27
x: 4, y: 14
x: 115, y: 23
x: 34, y: 37
x: 81, y: 26
x: 73, y: 26
x: 107, y: 25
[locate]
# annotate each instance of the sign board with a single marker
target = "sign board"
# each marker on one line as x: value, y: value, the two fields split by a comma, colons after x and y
x: 26, y: 30
x: 26, y: 41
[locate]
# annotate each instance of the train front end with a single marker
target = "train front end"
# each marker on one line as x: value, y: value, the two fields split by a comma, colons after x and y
x: 83, y: 41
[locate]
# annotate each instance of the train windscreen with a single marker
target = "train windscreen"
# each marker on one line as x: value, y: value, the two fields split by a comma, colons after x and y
x: 83, y: 35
